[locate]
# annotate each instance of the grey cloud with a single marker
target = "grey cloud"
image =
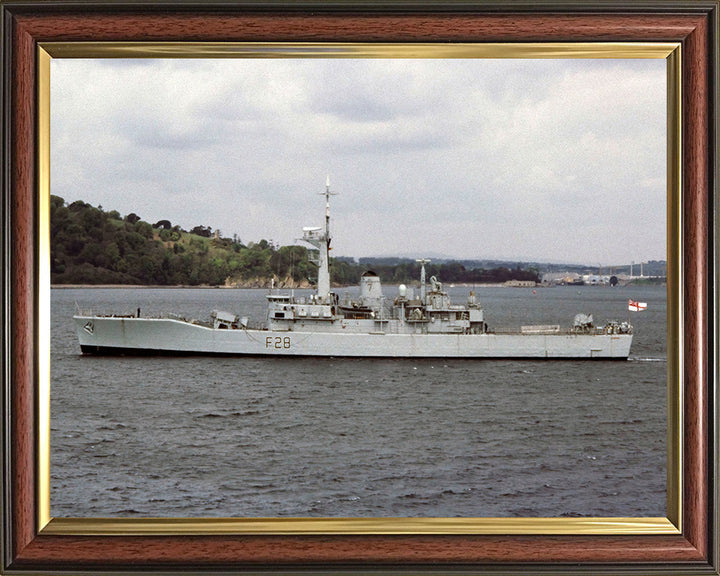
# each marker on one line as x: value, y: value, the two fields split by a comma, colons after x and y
x: 496, y: 148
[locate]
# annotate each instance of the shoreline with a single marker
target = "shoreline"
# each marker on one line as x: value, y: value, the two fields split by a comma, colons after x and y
x: 336, y: 286
x: 206, y: 287
x: 139, y: 286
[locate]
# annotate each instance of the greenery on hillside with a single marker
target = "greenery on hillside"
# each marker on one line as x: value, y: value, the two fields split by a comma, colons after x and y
x: 91, y: 246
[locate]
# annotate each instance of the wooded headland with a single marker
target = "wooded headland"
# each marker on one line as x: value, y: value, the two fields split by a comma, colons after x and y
x: 92, y: 246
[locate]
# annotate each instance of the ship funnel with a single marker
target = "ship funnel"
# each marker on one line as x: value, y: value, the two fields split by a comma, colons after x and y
x: 370, y: 287
x: 371, y: 294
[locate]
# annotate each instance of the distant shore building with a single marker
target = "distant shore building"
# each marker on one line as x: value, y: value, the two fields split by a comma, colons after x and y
x: 595, y: 279
x: 520, y: 284
x: 562, y: 279
x: 573, y: 279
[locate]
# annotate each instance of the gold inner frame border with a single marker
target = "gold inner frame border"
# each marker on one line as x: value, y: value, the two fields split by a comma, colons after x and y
x: 671, y: 524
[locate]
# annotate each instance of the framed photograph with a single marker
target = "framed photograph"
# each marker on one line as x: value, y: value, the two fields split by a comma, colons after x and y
x: 56, y: 54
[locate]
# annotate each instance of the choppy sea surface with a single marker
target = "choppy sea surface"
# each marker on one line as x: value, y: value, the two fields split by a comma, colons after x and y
x: 282, y: 437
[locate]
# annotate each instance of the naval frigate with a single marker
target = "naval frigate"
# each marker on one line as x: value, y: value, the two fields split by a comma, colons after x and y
x: 424, y: 325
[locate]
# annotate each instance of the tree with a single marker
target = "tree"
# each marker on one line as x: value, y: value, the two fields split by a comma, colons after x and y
x: 144, y: 229
x: 112, y: 253
x: 78, y: 206
x: 204, y: 231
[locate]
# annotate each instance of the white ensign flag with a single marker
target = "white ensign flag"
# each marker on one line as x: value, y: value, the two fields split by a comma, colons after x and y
x: 636, y: 306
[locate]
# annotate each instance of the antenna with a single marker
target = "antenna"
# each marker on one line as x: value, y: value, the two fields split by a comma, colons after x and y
x: 327, y: 195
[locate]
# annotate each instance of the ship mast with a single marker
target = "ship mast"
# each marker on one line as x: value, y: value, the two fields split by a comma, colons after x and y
x: 321, y: 241
x: 423, y: 293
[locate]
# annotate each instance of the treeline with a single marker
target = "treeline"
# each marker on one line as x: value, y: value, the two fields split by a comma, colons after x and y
x: 91, y: 246
x: 451, y: 272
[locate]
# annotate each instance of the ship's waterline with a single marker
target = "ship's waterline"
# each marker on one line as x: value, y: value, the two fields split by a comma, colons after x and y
x: 409, y: 325
x: 119, y: 336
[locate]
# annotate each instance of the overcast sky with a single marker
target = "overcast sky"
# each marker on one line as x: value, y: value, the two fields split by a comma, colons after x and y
x: 547, y: 160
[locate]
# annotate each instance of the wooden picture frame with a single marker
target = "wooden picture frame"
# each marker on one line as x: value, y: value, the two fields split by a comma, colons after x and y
x: 687, y: 543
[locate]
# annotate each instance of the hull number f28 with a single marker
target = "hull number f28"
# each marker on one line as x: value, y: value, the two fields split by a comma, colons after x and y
x: 277, y: 342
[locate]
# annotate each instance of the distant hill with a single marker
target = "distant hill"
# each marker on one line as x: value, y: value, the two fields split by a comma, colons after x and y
x: 651, y: 268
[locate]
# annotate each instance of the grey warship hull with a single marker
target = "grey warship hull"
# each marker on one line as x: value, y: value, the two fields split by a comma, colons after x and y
x: 167, y: 336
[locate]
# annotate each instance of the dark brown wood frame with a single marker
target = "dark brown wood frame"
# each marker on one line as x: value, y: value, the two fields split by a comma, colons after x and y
x: 692, y: 23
